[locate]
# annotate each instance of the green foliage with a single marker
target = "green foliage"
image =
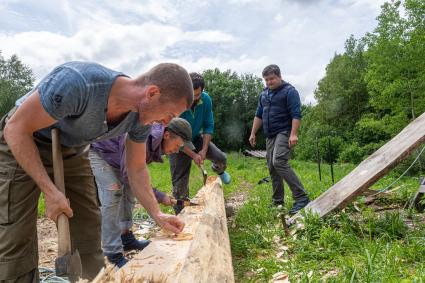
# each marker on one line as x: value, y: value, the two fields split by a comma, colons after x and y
x: 395, y: 76
x: 372, y: 90
x: 16, y: 79
x: 366, y: 246
x: 41, y: 208
x: 342, y: 96
x: 235, y: 100
x: 352, y: 153
x: 368, y: 130
x: 389, y: 226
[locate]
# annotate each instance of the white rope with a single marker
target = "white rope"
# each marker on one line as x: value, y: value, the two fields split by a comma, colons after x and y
x: 48, y: 275
x: 404, y: 173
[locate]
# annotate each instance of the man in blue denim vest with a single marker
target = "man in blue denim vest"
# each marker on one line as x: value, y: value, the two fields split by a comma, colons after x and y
x: 87, y: 102
x: 279, y: 112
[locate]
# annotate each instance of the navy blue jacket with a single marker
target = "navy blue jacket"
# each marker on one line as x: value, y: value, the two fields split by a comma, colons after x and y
x: 278, y: 109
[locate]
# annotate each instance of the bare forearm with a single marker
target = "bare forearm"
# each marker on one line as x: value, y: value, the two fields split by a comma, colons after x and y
x: 142, y: 190
x: 256, y: 125
x: 295, y: 126
x: 26, y: 153
x: 206, y: 141
x: 189, y: 152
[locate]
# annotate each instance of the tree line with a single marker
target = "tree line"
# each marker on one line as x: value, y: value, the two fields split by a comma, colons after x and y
x: 372, y: 90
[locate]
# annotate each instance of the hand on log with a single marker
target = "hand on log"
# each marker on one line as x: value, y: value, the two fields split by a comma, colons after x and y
x: 170, y: 222
x: 169, y: 201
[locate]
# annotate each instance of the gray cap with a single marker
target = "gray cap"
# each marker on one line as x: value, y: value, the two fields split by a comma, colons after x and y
x: 182, y: 128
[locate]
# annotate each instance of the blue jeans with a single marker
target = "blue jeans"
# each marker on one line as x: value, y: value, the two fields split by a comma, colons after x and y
x: 117, y: 203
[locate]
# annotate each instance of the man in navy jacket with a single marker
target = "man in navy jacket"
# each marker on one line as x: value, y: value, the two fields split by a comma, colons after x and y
x: 279, y: 112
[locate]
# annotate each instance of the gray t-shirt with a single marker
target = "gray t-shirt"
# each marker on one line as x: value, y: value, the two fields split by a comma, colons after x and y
x: 76, y: 94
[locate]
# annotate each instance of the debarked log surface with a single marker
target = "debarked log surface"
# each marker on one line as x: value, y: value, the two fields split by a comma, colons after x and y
x: 201, y: 253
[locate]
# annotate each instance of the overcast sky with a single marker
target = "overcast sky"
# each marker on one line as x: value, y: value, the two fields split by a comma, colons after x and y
x: 301, y: 36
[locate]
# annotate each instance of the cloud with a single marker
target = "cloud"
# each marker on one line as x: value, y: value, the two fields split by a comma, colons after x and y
x: 241, y: 35
x: 116, y: 45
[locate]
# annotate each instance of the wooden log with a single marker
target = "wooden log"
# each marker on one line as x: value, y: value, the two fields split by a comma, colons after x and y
x: 200, y: 254
x: 370, y: 170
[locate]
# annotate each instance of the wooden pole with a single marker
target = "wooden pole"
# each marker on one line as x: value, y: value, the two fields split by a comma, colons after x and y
x: 370, y: 170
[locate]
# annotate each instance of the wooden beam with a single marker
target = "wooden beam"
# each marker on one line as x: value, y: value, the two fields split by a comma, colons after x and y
x: 201, y: 254
x: 370, y: 170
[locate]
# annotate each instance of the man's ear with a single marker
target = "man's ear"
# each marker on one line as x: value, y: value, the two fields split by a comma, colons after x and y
x: 153, y: 92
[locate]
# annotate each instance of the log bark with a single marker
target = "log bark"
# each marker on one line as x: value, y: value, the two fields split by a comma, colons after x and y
x: 370, y: 170
x: 202, y: 255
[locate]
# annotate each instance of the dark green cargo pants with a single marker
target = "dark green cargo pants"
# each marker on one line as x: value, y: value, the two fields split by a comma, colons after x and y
x: 18, y: 212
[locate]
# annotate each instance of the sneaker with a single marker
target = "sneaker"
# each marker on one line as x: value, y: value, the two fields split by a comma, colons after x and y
x: 225, y: 177
x: 298, y: 205
x: 117, y: 259
x: 131, y: 243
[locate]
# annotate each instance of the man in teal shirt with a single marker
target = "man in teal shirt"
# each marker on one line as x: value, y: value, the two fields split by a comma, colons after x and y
x: 201, y: 119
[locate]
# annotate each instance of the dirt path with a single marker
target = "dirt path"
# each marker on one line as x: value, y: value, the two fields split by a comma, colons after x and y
x: 48, y: 239
x: 237, y: 199
x: 47, y: 242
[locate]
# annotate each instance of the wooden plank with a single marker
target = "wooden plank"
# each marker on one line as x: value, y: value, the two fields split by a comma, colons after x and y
x: 370, y: 170
x: 202, y: 255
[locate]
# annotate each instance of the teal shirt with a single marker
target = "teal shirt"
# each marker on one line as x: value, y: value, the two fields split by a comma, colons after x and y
x: 201, y: 119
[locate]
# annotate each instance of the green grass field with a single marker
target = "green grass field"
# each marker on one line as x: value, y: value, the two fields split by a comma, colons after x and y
x: 354, y: 245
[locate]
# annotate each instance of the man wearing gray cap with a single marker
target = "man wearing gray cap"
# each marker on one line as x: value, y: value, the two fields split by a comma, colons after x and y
x: 107, y: 159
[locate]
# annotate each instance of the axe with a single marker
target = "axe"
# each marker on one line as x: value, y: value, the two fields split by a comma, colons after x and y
x: 184, y: 202
x: 67, y: 263
x: 204, y: 173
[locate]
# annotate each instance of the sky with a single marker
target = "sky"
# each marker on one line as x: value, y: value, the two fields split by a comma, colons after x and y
x: 301, y: 36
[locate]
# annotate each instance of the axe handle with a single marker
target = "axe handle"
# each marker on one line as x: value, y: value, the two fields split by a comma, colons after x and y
x: 204, y: 174
x: 64, y: 238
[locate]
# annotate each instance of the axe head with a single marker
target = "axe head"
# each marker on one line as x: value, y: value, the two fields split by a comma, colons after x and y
x: 186, y: 202
x: 69, y: 265
x: 204, y: 174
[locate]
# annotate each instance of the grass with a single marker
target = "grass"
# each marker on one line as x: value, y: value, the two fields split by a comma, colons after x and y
x: 353, y: 245
x: 347, y: 246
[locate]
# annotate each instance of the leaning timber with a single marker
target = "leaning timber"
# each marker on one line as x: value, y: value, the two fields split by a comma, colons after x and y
x: 201, y: 253
x: 370, y: 170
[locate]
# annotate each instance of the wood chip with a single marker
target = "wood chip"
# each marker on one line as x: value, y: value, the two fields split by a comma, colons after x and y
x: 178, y: 237
x: 183, y: 237
x: 280, y: 277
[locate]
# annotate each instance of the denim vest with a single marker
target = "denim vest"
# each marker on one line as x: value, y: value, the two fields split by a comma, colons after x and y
x: 278, y: 108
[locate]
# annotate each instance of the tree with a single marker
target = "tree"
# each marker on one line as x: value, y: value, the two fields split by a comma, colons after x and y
x: 16, y: 79
x: 342, y: 95
x: 396, y: 64
x: 234, y: 103
x: 374, y: 89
